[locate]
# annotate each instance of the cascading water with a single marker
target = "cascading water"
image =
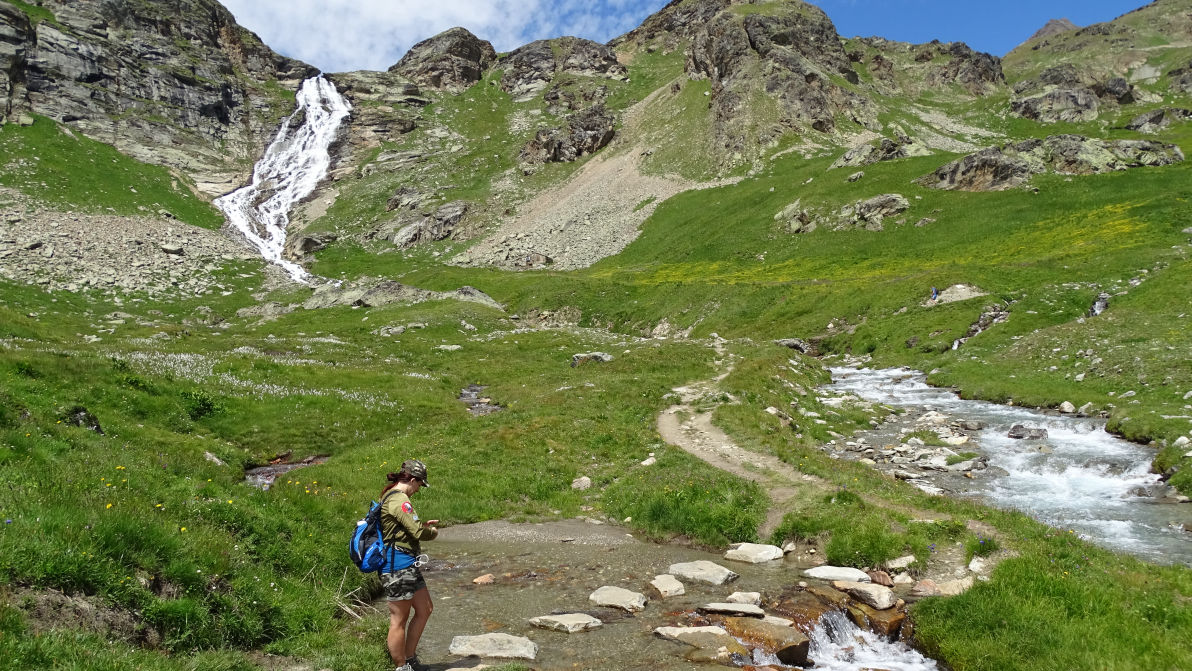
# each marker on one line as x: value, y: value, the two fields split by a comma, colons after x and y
x: 1080, y: 477
x: 292, y: 167
x: 839, y: 645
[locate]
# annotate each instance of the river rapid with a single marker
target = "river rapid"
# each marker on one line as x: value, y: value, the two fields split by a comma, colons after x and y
x: 1079, y: 477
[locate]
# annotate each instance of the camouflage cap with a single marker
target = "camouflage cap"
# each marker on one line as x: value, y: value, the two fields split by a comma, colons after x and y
x: 415, y: 469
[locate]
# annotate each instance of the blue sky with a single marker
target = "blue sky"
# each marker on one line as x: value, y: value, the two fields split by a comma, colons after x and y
x: 339, y: 35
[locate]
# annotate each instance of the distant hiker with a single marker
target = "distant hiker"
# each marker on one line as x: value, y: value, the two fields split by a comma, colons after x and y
x: 935, y: 293
x: 405, y: 589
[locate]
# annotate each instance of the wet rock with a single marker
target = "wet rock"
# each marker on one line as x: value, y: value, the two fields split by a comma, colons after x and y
x: 878, y: 596
x: 598, y: 357
x: 618, y: 597
x: 886, y: 623
x: 754, y: 553
x: 668, y: 585
x: 1067, y: 408
x: 703, y: 571
x: 1022, y: 432
x: 486, y: 579
x: 452, y: 61
x: 733, y: 609
x: 504, y: 646
x: 708, y: 639
x: 831, y: 573
x: 786, y: 643
x: 570, y: 623
x: 753, y: 598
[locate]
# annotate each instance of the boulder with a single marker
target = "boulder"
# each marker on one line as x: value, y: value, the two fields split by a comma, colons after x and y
x: 753, y: 553
x: 598, y: 357
x: 569, y: 623
x: 733, y: 609
x: 502, y: 646
x: 451, y: 61
x: 837, y: 573
x: 785, y: 642
x: 1067, y: 408
x: 668, y: 585
x: 1156, y: 120
x: 1022, y: 432
x: 799, y: 345
x: 619, y: 597
x: 581, y: 483
x: 886, y: 150
x: 407, y: 231
x: 703, y: 571
x: 877, y: 596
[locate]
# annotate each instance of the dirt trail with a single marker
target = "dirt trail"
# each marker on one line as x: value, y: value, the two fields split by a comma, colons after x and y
x: 685, y: 426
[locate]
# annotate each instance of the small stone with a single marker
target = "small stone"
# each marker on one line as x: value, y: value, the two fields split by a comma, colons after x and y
x: 703, y: 571
x: 486, y: 579
x: 213, y: 459
x: 733, y: 609
x: 877, y: 596
x: 649, y: 461
x: 955, y: 587
x: 1067, y: 408
x: 903, y: 579
x: 754, y: 553
x: 753, y: 598
x: 581, y: 483
x: 618, y: 597
x: 1182, y: 441
x: 570, y: 623
x: 172, y: 249
x: 901, y: 562
x: 881, y: 578
x: 925, y: 587
x: 837, y: 573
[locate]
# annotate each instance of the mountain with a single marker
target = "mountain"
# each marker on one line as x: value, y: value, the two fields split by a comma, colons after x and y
x: 1052, y: 27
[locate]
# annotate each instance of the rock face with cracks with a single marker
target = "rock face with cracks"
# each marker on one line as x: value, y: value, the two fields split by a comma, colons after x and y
x: 451, y: 61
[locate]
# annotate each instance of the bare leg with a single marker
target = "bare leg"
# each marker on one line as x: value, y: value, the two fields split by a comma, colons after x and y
x: 422, y: 610
x: 399, y: 613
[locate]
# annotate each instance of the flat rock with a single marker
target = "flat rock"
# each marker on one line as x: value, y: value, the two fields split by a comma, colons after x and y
x: 754, y: 598
x: 502, y: 646
x: 668, y: 585
x: 901, y: 562
x: 733, y: 609
x: 878, y: 596
x: 754, y: 553
x: 955, y: 587
x: 703, y: 571
x: 569, y: 623
x: 837, y: 573
x: 717, y: 644
x: 619, y: 597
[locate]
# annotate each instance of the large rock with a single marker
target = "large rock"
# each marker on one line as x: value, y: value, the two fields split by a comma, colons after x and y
x: 877, y: 596
x: 703, y: 571
x: 452, y: 61
x: 1007, y: 166
x: 504, y: 646
x: 1063, y: 104
x: 885, y: 150
x: 754, y: 553
x: 1156, y: 120
x: 837, y: 573
x: 569, y: 623
x: 1022, y: 432
x: 529, y: 69
x: 886, y: 623
x: 407, y: 231
x: 868, y: 214
x: 584, y: 133
x: 619, y: 597
x: 786, y: 643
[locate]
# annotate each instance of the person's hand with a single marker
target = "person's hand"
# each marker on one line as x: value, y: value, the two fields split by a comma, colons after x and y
x: 431, y: 523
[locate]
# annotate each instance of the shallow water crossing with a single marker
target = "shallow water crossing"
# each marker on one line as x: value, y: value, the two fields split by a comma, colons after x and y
x: 1078, y: 477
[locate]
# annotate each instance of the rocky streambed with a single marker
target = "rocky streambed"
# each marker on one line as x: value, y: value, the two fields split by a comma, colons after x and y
x: 1061, y: 468
x: 581, y: 594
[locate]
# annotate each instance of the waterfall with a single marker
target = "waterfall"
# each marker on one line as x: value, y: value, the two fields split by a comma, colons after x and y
x: 292, y: 167
x: 839, y: 645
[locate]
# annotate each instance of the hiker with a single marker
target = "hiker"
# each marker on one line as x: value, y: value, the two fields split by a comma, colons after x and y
x: 935, y: 293
x: 405, y: 588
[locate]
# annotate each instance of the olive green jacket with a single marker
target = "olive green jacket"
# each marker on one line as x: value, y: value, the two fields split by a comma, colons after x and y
x: 400, y: 526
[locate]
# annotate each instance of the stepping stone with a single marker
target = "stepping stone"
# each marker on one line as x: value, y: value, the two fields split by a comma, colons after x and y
x: 618, y: 597
x: 569, y: 623
x: 754, y: 553
x: 877, y: 596
x: 752, y: 598
x: 837, y: 573
x: 503, y: 646
x: 733, y: 609
x: 703, y: 571
x: 668, y: 586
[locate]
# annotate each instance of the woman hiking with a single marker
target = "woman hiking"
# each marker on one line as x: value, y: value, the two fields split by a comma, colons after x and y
x: 405, y: 589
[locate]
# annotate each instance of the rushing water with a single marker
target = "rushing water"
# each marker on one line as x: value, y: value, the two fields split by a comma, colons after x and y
x: 292, y: 167
x: 1082, y: 479
x: 545, y: 568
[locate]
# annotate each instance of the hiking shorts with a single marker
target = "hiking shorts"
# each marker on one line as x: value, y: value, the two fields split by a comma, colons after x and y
x: 401, y: 584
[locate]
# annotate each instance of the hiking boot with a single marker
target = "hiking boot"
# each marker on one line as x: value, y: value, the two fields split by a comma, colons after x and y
x: 413, y: 661
x: 405, y: 667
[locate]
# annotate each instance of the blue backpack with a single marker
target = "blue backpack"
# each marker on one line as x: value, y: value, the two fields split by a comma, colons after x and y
x: 369, y: 551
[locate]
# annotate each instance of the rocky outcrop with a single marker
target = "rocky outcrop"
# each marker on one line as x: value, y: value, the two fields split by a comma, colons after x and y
x: 411, y: 228
x: 957, y: 64
x: 584, y: 133
x: 385, y: 106
x: 530, y: 69
x: 886, y: 150
x: 791, y: 55
x: 1053, y: 27
x: 1007, y: 166
x: 451, y: 61
x: 368, y: 292
x: 1156, y: 120
x: 1061, y: 104
x: 178, y: 84
x: 1180, y: 79
x: 868, y: 214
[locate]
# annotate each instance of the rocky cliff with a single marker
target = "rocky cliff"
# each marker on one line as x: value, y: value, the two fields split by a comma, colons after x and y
x: 176, y: 83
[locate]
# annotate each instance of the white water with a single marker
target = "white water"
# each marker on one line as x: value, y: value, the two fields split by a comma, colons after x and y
x: 1088, y: 482
x: 839, y: 645
x: 292, y: 167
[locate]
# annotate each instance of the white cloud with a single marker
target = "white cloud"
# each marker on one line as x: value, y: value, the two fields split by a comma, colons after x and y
x: 339, y: 35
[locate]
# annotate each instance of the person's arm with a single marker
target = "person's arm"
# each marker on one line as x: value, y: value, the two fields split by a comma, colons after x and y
x: 404, y: 514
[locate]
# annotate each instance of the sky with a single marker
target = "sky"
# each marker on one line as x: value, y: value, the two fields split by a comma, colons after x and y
x: 342, y: 35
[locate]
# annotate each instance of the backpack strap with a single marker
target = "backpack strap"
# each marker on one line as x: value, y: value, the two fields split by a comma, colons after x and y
x: 381, y: 529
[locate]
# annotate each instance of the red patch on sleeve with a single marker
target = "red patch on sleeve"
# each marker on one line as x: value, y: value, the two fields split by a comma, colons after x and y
x: 406, y: 507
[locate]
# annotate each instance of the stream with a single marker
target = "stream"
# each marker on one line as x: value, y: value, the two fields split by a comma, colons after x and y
x: 552, y: 568
x: 1079, y: 477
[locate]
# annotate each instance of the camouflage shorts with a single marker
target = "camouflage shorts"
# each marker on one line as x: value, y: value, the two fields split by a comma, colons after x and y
x: 401, y: 585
